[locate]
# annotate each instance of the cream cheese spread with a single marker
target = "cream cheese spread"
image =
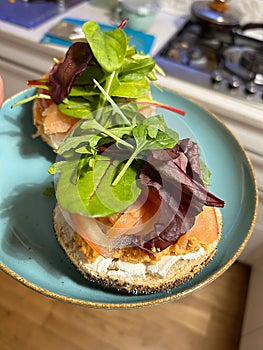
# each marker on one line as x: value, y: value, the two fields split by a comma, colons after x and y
x: 114, y: 267
x: 111, y: 267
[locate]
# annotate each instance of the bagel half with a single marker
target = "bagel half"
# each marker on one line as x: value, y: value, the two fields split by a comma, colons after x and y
x: 132, y: 269
x: 52, y: 126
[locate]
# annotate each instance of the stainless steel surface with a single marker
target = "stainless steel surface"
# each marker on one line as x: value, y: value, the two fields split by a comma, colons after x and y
x: 230, y: 64
x: 216, y: 12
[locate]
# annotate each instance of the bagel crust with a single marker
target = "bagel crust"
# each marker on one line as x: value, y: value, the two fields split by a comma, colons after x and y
x: 161, y: 274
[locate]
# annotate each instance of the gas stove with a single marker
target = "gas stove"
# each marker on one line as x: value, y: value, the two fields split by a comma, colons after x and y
x: 229, y: 63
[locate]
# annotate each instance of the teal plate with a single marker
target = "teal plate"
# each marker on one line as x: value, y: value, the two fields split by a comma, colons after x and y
x: 28, y: 248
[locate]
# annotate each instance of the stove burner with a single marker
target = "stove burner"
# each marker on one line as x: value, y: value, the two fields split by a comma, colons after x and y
x: 189, y: 56
x: 245, y: 63
x: 200, y: 56
x: 253, y: 61
x: 219, y: 61
x: 232, y: 62
x: 197, y: 58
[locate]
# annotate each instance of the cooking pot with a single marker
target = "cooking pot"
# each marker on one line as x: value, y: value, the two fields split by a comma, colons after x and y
x: 216, y: 16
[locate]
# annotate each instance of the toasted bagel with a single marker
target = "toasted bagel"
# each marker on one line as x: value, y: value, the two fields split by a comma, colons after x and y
x: 132, y: 269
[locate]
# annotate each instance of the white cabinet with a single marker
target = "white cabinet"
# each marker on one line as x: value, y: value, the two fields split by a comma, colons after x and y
x: 15, y: 77
x: 21, y: 60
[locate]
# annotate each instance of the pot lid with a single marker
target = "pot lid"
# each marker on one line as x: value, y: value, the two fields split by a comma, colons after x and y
x: 215, y: 12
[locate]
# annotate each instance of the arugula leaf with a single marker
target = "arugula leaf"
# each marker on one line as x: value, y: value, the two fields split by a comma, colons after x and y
x: 73, y: 142
x: 93, y: 124
x: 150, y: 135
x: 94, y: 134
